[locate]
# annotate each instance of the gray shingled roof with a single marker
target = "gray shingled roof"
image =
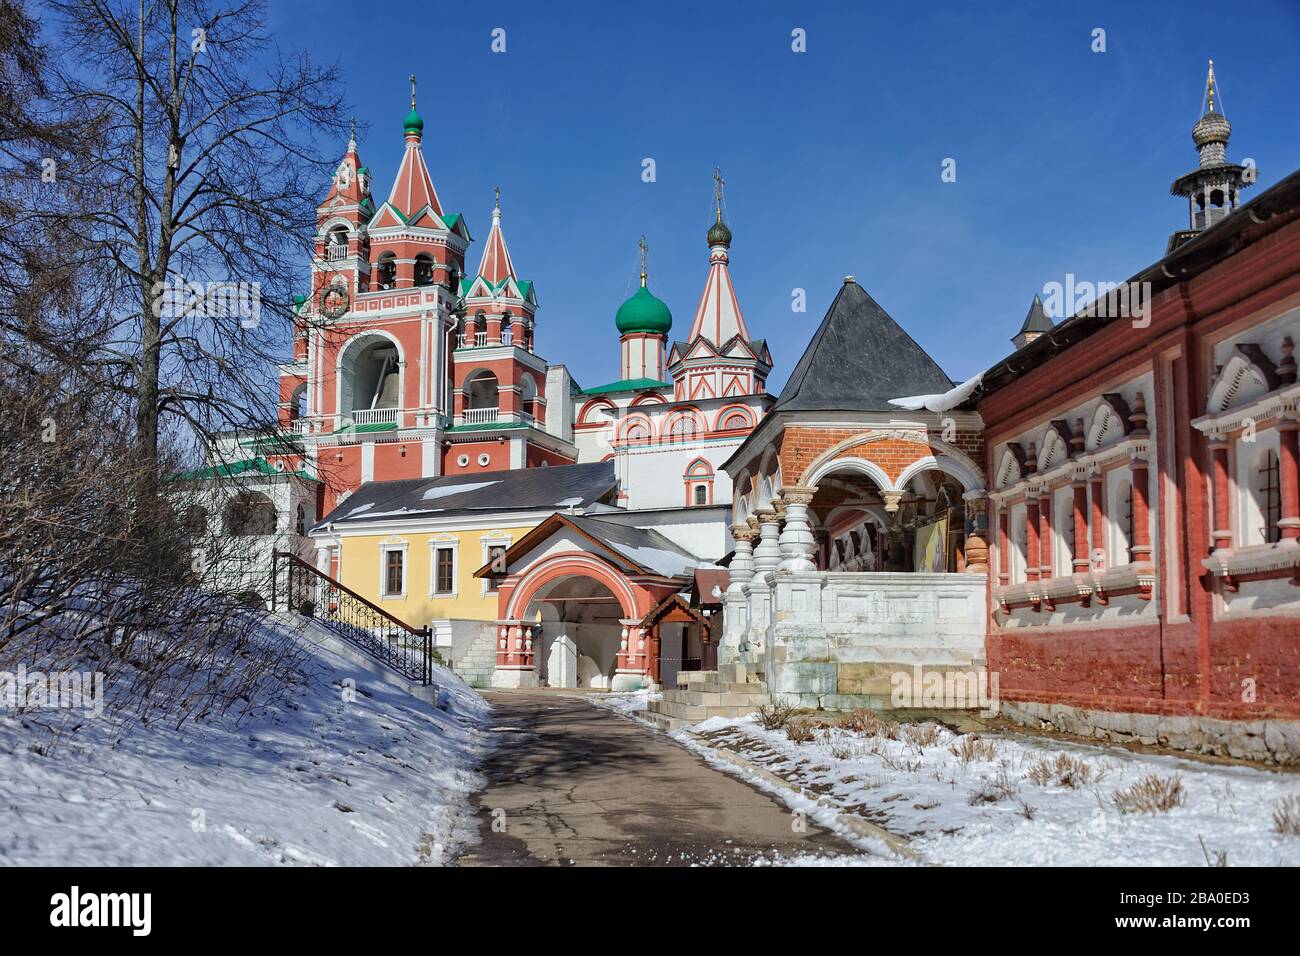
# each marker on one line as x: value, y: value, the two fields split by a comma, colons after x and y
x: 858, y: 360
x: 557, y: 489
x: 1036, y: 320
x: 643, y: 546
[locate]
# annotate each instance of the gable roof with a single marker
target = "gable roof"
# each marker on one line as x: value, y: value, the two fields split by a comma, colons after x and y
x: 858, y: 359
x: 531, y: 489
x: 645, y: 550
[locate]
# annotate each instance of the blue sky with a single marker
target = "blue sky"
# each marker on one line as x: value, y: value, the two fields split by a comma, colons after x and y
x: 832, y: 157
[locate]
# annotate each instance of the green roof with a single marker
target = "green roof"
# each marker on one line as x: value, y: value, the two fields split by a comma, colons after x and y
x: 644, y: 313
x: 256, y: 466
x: 368, y: 427
x: 413, y: 123
x: 628, y: 385
x: 486, y: 427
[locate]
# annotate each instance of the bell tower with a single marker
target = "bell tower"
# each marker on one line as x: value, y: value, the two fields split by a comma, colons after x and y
x: 1213, y: 189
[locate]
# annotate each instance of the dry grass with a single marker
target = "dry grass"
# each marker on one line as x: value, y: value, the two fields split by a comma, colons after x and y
x: 921, y: 735
x: 1064, y: 771
x: 862, y: 721
x: 800, y: 731
x: 971, y: 747
x: 1286, y: 815
x: 1152, y: 794
x: 774, y: 716
x: 1002, y: 787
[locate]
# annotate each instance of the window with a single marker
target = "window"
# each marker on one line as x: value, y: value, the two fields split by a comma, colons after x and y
x: 734, y: 420
x: 387, y: 268
x: 444, y: 570
x: 701, y: 495
x: 423, y: 270
x: 496, y: 558
x: 394, y: 573
x: 300, y: 521
x: 684, y: 427
x: 1270, y: 497
x: 1125, y: 523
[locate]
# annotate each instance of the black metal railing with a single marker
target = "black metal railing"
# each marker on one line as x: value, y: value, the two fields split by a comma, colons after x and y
x: 297, y: 586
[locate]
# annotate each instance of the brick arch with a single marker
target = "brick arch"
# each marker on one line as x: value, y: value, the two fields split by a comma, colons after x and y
x: 562, y: 565
x: 591, y: 406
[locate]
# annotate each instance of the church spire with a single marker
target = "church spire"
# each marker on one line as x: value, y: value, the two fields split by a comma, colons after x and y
x: 718, y: 317
x: 413, y: 188
x: 496, y: 266
x: 1212, y: 189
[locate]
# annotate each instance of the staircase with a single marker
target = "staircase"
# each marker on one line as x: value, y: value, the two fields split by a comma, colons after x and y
x: 477, y: 664
x: 730, y: 691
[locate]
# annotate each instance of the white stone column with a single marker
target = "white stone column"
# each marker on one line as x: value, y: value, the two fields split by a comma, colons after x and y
x: 741, y: 570
x: 767, y: 554
x: 797, y: 542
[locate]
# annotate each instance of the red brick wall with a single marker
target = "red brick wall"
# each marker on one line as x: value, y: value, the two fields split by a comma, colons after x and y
x: 1182, y: 660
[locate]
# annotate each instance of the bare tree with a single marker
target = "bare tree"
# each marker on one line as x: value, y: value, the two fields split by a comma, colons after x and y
x: 208, y: 171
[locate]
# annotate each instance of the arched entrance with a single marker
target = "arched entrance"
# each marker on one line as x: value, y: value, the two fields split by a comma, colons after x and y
x: 580, y: 628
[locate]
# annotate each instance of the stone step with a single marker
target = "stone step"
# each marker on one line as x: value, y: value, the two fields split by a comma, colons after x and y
x: 695, y: 698
x: 695, y: 713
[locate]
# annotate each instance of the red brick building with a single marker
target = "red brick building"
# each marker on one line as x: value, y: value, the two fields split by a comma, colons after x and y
x: 1144, y: 489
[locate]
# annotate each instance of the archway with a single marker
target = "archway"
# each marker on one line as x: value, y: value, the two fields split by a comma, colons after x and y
x: 581, y: 624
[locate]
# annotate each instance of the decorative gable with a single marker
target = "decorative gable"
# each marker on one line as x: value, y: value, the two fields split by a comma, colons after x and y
x: 1246, y: 375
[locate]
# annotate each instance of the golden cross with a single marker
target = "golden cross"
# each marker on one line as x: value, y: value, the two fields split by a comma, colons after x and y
x: 1209, y: 85
x: 644, y: 248
x: 412, y: 91
x: 718, y: 183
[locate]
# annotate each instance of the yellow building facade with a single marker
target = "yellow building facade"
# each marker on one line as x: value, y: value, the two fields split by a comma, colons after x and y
x: 421, y: 576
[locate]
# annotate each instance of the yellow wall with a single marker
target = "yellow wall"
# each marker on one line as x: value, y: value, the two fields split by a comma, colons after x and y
x: 361, y: 562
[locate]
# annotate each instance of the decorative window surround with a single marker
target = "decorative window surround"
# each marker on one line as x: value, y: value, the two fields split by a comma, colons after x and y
x: 1077, y: 469
x: 1259, y: 562
x: 1280, y: 404
x: 436, y: 545
x: 384, y: 549
x: 1138, y: 577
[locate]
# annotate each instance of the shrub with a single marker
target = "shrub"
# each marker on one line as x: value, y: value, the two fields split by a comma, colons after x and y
x: 1152, y: 794
x: 774, y: 716
x: 869, y: 723
x: 800, y: 731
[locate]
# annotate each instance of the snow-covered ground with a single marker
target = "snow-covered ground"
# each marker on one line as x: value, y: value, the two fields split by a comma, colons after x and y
x: 335, y: 773
x: 1002, y: 800
x: 630, y: 704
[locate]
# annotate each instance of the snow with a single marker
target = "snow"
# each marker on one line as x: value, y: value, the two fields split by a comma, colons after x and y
x: 327, y: 776
x: 924, y: 791
x: 632, y: 704
x: 460, y: 489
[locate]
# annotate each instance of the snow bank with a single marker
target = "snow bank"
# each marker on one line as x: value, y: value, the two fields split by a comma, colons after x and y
x: 983, y: 807
x: 346, y: 769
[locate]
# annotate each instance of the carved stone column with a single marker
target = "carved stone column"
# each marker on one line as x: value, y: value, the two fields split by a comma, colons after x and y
x: 797, y: 542
x: 977, y: 539
x: 742, y: 562
x: 767, y: 554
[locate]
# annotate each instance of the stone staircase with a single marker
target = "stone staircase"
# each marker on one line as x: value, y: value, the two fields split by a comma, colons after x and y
x: 733, y: 690
x: 477, y: 664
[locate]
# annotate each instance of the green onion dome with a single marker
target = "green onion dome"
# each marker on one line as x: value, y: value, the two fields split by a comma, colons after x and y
x: 719, y: 234
x: 413, y: 122
x: 643, y: 313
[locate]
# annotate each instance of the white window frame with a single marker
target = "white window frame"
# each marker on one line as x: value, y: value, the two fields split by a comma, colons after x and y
x: 452, y: 545
x: 1118, y: 546
x: 490, y: 541
x: 384, y: 550
x: 1247, y: 492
